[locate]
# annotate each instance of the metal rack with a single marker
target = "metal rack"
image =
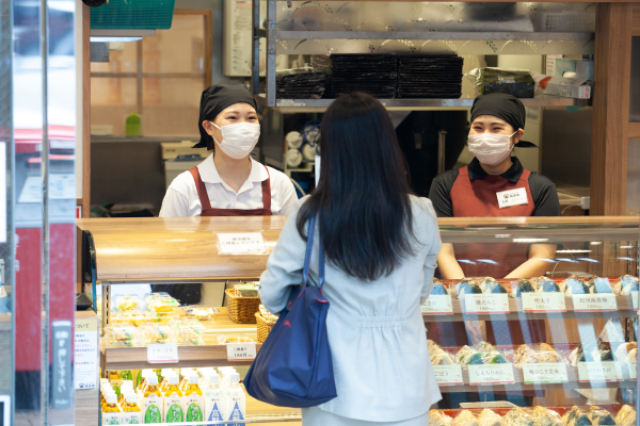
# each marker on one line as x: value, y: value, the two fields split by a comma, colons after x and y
x: 272, y: 35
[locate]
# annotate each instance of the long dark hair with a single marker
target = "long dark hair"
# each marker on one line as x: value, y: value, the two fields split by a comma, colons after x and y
x: 362, y: 199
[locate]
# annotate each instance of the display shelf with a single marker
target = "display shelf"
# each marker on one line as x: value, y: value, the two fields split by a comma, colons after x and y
x: 210, y: 355
x: 290, y: 106
x: 624, y: 303
x: 519, y: 385
x: 189, y: 356
x: 433, y: 35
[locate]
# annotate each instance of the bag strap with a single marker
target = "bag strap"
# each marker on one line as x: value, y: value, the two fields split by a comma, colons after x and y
x: 307, y: 257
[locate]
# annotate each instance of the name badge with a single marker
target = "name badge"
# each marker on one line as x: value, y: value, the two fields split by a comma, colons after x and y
x: 513, y: 197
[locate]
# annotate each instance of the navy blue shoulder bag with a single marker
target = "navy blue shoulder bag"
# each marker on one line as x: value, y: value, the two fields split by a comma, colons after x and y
x: 294, y: 366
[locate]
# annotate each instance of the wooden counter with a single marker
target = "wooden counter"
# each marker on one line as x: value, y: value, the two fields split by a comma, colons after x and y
x: 186, y: 249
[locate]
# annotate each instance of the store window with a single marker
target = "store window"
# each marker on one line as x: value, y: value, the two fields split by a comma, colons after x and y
x: 158, y: 78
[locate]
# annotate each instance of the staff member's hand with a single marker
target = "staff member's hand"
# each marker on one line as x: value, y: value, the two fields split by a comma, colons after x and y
x: 539, y: 257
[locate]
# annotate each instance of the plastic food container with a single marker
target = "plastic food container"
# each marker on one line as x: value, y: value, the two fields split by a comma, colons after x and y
x: 191, y: 334
x: 122, y: 336
x: 161, y: 317
x: 223, y: 340
x: 161, y: 303
x: 127, y: 302
x: 202, y: 313
x: 157, y: 333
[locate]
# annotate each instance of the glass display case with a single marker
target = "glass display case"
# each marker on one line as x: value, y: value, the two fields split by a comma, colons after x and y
x: 556, y: 348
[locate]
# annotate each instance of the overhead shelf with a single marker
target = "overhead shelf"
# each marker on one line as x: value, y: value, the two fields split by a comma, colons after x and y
x: 432, y: 35
x: 320, y: 105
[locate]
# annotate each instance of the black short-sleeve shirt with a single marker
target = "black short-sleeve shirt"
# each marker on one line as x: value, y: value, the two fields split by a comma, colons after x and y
x: 543, y: 191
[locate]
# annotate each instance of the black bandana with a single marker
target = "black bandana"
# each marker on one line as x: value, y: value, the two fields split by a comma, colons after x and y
x: 504, y: 106
x: 216, y: 99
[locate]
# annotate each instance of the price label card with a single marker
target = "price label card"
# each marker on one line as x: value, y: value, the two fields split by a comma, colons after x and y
x: 493, y: 374
x: 545, y: 373
x: 162, y: 354
x: 634, y: 299
x: 633, y: 370
x: 543, y: 302
x: 241, y: 351
x: 594, y: 302
x: 486, y: 303
x: 437, y: 304
x: 448, y: 374
x: 241, y: 243
x: 604, y: 371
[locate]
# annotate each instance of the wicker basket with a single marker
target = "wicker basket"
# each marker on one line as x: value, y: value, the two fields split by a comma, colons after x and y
x: 264, y: 328
x: 242, y: 310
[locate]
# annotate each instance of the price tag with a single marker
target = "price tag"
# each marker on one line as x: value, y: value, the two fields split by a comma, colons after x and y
x: 493, y: 374
x: 634, y: 299
x: 448, y: 374
x: 486, y: 303
x: 241, y: 351
x: 162, y: 354
x: 603, y: 371
x: 633, y: 370
x: 241, y: 243
x: 594, y: 302
x: 545, y: 373
x: 437, y: 304
x: 543, y: 302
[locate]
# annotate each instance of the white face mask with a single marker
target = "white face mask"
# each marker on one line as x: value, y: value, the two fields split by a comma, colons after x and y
x: 490, y: 148
x: 238, y: 140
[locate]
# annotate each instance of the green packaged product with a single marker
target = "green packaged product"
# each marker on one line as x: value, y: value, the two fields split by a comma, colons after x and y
x: 518, y: 83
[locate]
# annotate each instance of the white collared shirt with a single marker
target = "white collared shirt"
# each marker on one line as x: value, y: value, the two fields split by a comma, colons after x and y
x: 181, y: 199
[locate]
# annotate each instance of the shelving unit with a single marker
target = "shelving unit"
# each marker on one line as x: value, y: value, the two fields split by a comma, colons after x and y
x: 273, y: 35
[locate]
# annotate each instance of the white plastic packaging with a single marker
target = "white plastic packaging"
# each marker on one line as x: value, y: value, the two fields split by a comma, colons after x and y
x: 234, y: 401
x: 214, y: 400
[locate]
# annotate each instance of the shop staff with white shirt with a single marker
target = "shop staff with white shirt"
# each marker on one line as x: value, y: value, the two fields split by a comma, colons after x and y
x: 229, y: 182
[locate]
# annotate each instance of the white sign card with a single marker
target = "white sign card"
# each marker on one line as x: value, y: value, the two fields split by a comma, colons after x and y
x: 486, y: 303
x: 241, y: 351
x: 634, y: 299
x: 543, y: 302
x: 633, y: 370
x: 437, y: 304
x: 491, y: 374
x: 594, y: 302
x: 513, y: 197
x: 545, y: 373
x: 162, y: 353
x: 448, y: 374
x: 239, y: 243
x: 601, y: 371
x: 85, y: 374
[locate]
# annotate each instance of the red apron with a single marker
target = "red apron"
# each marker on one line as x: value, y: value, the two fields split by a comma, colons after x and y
x: 477, y: 198
x: 207, y: 210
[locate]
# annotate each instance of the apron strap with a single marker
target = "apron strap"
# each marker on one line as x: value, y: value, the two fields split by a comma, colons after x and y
x: 202, y: 190
x: 266, y: 191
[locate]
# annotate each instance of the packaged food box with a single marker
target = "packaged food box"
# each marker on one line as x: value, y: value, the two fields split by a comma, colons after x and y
x: 565, y: 87
x: 248, y: 289
x: 127, y: 302
x: 157, y: 333
x: 161, y: 317
x: 122, y: 336
x: 161, y: 303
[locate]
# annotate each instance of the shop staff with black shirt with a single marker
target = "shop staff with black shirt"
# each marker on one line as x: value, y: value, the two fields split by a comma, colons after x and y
x: 495, y: 184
